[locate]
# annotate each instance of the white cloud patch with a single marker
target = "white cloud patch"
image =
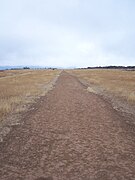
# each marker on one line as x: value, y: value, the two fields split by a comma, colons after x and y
x: 67, y: 33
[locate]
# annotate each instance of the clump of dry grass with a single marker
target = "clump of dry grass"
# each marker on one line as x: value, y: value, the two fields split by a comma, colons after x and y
x: 20, y: 87
x: 9, y: 73
x: 118, y: 82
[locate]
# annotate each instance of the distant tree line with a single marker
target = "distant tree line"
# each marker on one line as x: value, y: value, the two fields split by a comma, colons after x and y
x: 111, y: 67
x: 19, y: 68
x: 26, y: 67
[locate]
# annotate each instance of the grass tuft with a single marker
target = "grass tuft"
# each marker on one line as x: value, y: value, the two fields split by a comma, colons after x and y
x: 118, y: 82
x: 20, y: 87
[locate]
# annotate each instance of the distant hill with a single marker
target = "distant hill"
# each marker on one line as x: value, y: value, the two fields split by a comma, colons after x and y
x: 27, y: 67
x: 19, y: 67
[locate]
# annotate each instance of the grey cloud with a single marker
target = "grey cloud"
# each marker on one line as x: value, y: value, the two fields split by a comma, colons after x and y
x: 67, y: 33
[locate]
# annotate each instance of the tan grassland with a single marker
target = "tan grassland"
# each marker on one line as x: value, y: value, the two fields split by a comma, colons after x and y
x: 120, y: 83
x: 20, y: 87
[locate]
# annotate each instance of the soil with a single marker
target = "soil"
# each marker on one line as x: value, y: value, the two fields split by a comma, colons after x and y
x: 70, y: 134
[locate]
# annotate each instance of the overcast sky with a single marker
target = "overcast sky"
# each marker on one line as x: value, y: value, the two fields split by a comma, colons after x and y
x: 67, y: 33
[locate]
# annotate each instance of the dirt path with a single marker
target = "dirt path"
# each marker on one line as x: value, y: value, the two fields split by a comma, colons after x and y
x: 71, y: 135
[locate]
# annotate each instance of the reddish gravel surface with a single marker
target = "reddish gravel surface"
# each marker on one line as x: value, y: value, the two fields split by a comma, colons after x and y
x: 70, y: 135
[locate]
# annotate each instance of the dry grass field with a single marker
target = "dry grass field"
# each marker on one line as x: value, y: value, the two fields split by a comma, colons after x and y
x: 20, y: 87
x: 118, y: 82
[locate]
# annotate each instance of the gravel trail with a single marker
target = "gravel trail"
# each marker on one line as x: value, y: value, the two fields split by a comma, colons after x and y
x: 71, y: 134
